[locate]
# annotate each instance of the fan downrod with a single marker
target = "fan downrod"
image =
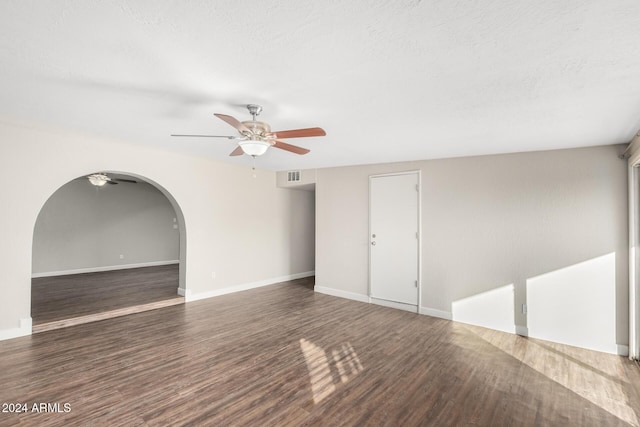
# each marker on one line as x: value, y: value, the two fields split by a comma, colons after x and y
x: 254, y: 110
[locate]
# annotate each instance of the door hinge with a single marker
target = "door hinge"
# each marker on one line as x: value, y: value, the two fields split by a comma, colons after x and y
x: 417, y: 187
x: 416, y: 283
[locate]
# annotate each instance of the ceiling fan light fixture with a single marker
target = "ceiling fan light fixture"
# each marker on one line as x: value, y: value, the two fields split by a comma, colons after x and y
x: 254, y: 147
x: 256, y: 137
x: 98, y: 179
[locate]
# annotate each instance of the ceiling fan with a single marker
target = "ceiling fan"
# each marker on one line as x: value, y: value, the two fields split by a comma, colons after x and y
x: 256, y: 137
x: 99, y: 179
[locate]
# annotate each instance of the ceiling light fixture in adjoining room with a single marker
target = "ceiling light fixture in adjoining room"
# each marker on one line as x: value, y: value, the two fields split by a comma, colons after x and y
x: 98, y: 179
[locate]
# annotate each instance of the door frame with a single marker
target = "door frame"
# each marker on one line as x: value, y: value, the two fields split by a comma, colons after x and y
x: 632, y: 155
x: 418, y: 173
x: 634, y: 260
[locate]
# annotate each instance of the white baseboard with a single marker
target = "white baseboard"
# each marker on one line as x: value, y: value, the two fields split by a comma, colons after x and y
x: 396, y: 305
x: 105, y: 268
x: 436, y: 313
x: 189, y: 296
x: 342, y: 294
x: 23, y: 330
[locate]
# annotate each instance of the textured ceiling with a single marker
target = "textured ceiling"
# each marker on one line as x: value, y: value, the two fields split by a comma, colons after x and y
x: 388, y: 81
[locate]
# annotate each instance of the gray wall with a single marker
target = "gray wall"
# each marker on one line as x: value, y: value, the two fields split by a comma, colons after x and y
x: 498, y: 230
x: 301, y: 220
x: 84, y: 227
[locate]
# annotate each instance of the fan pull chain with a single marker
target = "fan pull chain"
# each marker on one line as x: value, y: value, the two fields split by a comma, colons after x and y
x: 253, y: 166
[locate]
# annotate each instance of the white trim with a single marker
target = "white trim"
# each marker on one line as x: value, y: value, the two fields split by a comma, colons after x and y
x: 623, y: 350
x: 411, y: 171
x: 369, y: 234
x: 342, y: 294
x: 634, y: 338
x: 633, y: 150
x: 523, y: 331
x: 419, y: 240
x: 436, y: 313
x: 21, y: 331
x: 189, y: 296
x: 105, y: 268
x: 396, y: 305
x: 184, y: 292
x: 632, y: 153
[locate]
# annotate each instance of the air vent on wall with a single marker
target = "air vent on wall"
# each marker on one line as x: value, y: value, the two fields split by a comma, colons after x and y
x: 293, y: 176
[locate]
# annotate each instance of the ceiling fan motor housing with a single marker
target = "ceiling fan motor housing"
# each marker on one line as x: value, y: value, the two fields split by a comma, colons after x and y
x: 260, y: 129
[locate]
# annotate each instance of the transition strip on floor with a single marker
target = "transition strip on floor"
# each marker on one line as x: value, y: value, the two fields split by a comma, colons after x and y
x: 64, y: 323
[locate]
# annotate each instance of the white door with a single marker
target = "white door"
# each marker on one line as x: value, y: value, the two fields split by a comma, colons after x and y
x: 394, y: 243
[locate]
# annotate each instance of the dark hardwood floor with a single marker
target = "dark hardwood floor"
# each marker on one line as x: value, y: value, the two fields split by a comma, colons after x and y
x: 284, y: 355
x: 72, y: 299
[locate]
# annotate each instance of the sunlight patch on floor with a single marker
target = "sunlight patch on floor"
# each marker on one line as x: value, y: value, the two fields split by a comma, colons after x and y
x: 573, y: 371
x: 344, y: 362
x: 347, y: 362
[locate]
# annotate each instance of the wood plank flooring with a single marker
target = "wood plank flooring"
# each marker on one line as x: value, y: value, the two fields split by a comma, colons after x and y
x: 61, y: 301
x: 283, y: 355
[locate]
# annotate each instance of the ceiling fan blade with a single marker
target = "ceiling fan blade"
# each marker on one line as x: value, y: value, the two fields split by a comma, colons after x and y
x: 207, y: 136
x: 129, y: 181
x: 292, y: 148
x: 299, y: 133
x: 112, y: 182
x: 233, y: 122
x: 237, y: 152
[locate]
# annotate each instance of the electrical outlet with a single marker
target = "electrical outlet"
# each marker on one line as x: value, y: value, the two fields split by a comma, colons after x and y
x: 213, y: 275
x: 121, y: 256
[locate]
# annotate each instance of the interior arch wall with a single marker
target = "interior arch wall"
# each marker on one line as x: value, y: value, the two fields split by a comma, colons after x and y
x: 223, y: 207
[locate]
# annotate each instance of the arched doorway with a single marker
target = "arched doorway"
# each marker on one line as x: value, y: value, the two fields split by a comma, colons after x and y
x: 106, y: 247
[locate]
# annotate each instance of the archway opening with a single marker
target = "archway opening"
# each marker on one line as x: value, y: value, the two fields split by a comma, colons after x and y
x: 105, y: 247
